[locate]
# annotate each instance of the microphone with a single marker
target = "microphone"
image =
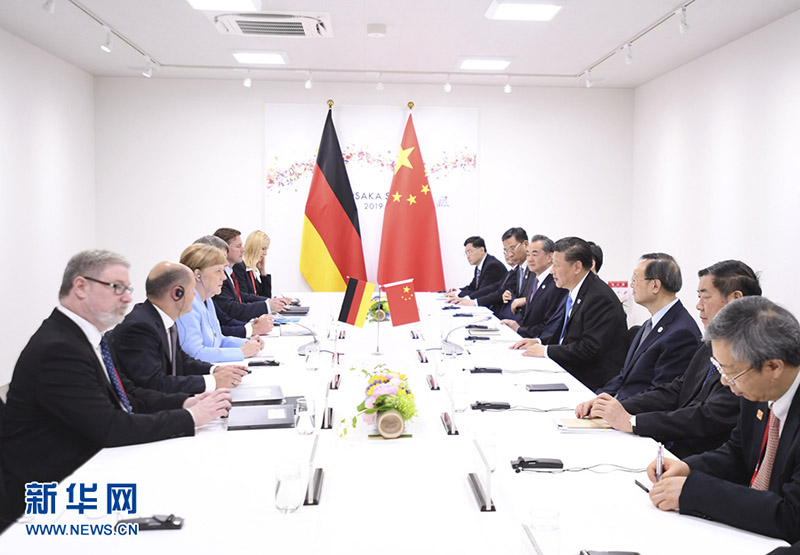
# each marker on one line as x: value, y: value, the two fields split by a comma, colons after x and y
x: 303, y: 349
x: 450, y: 348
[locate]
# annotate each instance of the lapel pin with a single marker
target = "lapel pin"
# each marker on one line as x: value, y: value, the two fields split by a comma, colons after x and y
x: 660, y: 329
x: 760, y: 414
x: 578, y: 302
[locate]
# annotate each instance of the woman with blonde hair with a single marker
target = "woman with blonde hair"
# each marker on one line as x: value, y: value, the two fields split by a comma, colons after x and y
x: 251, y: 271
x: 199, y: 330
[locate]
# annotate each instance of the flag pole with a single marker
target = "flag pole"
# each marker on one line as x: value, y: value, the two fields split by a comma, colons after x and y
x: 379, y: 316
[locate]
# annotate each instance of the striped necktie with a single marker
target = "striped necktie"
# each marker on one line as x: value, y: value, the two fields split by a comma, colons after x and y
x: 764, y: 470
x: 113, y: 375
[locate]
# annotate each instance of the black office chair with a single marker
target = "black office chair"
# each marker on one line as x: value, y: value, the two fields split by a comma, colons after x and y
x: 632, y: 335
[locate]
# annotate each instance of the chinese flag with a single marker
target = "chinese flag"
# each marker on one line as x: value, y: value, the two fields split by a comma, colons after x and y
x: 402, y: 302
x: 410, y: 239
x: 331, y: 245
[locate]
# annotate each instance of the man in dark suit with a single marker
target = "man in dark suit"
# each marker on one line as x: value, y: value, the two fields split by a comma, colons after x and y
x: 753, y: 480
x: 591, y: 342
x: 67, y: 401
x: 146, y: 342
x: 515, y: 241
x: 694, y: 412
x: 234, y: 300
x: 667, y: 341
x: 245, y: 325
x: 543, y: 297
x: 489, y: 271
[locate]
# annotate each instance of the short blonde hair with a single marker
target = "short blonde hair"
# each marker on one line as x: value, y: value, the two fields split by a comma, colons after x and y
x: 252, y: 247
x: 198, y: 256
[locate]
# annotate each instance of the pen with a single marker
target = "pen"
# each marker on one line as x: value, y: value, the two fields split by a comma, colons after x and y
x: 659, y: 463
x: 641, y: 485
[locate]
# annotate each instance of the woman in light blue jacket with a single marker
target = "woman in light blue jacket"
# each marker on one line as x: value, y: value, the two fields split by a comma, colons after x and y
x: 199, y: 330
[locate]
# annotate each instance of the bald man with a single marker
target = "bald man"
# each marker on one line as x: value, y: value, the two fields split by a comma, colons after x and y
x: 147, y: 345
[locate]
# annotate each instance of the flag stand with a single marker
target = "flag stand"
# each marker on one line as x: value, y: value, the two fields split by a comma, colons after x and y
x: 380, y: 315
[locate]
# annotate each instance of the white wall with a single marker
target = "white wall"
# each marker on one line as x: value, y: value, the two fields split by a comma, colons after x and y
x: 47, y: 201
x: 178, y: 158
x: 717, y: 161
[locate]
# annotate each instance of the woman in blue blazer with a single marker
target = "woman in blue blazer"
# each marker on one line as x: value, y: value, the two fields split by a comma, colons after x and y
x: 199, y: 330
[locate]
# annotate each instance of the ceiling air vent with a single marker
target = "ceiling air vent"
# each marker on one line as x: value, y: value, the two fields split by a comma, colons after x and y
x: 274, y: 25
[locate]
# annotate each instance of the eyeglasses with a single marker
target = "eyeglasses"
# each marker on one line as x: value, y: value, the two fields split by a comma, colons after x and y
x: 118, y: 288
x: 634, y: 279
x: 725, y: 378
x: 509, y: 250
x: 469, y: 252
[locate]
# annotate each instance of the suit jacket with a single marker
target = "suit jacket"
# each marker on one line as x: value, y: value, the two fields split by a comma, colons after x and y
x: 246, y: 277
x: 694, y: 414
x: 493, y: 298
x: 544, y: 304
x: 594, y: 345
x: 492, y: 273
x: 662, y: 356
x: 718, y: 485
x: 142, y: 348
x: 202, y: 338
x: 230, y: 326
x: 251, y: 306
x: 522, y: 289
x: 61, y: 409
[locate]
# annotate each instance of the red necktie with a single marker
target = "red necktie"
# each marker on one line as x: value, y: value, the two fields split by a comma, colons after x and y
x: 761, y: 479
x: 236, y: 286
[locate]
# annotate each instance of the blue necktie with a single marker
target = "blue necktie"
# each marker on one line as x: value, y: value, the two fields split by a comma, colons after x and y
x: 711, y: 370
x: 112, y: 374
x: 566, y: 318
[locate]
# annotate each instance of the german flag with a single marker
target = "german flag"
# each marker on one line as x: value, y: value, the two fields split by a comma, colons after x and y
x: 331, y: 250
x: 356, y: 302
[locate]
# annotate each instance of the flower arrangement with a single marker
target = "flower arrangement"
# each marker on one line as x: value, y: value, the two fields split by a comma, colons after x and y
x: 378, y: 310
x: 386, y: 391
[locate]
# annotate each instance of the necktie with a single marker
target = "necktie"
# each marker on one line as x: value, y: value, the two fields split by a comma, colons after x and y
x: 647, y: 328
x: 761, y: 480
x: 236, y: 286
x: 711, y: 371
x: 533, y: 290
x: 173, y: 346
x: 521, y: 281
x: 113, y: 375
x: 477, y: 275
x: 566, y: 318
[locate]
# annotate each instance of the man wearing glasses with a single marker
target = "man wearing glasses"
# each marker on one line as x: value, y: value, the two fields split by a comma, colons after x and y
x: 67, y: 400
x: 515, y: 243
x: 753, y: 480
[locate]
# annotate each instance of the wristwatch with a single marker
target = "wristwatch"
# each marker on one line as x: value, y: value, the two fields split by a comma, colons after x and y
x: 632, y: 422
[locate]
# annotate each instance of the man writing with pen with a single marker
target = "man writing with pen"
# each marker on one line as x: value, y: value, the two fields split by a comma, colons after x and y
x: 752, y: 481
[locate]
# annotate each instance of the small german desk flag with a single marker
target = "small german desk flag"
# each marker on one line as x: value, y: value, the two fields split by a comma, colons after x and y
x: 402, y: 302
x: 331, y: 246
x: 356, y: 302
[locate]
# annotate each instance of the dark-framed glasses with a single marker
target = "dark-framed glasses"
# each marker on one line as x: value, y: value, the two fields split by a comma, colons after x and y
x: 118, y: 288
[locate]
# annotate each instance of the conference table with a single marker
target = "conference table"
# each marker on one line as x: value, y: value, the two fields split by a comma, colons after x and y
x: 406, y: 495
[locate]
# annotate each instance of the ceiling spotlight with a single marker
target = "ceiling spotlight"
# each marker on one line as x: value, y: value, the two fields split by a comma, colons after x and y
x: 682, y: 25
x: 587, y: 76
x: 247, y: 81
x: 379, y: 85
x: 507, y: 88
x: 309, y: 83
x: 107, y: 46
x: 628, y: 55
x: 49, y: 6
x: 148, y: 70
x: 376, y: 30
x: 447, y: 86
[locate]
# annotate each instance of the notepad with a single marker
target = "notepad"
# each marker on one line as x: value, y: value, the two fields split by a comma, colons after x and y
x: 583, y: 424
